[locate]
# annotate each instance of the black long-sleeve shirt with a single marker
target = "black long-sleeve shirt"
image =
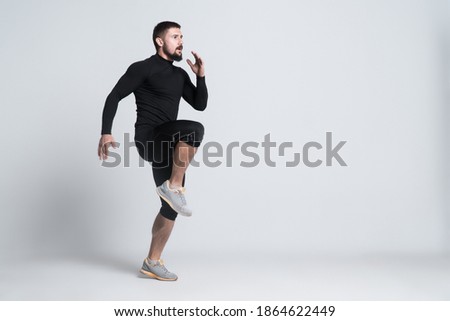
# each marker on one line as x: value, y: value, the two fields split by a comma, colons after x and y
x: 158, y: 86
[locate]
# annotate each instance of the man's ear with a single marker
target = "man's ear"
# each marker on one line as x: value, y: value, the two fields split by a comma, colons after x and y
x: 159, y: 41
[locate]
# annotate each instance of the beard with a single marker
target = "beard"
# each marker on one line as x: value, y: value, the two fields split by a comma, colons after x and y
x: 174, y: 55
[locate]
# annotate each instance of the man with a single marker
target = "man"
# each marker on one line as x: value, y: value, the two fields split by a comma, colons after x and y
x: 167, y: 143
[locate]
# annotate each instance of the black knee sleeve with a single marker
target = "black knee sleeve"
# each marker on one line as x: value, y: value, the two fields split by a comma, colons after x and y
x: 167, y: 212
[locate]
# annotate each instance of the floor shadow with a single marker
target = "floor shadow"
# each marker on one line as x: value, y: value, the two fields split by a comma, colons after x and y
x: 109, y: 262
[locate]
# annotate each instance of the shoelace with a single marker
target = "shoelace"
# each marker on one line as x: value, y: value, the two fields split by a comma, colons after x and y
x: 180, y: 193
x: 161, y: 263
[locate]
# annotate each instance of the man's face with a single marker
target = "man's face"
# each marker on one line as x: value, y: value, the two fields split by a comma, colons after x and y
x: 173, y: 44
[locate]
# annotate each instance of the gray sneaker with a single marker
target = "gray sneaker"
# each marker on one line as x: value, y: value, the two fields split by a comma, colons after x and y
x: 175, y: 198
x: 157, y: 271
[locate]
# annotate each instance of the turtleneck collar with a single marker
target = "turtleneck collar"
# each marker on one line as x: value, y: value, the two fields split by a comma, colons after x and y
x: 164, y: 60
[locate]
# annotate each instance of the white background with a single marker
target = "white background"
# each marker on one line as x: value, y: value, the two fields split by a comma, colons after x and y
x: 374, y: 73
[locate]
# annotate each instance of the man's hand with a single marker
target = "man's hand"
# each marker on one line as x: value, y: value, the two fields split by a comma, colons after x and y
x: 103, y: 145
x: 199, y: 67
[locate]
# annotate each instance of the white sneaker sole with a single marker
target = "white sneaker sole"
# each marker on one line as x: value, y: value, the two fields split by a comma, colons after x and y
x: 154, y: 276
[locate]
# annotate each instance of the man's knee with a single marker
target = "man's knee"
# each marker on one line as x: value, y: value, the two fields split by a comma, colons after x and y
x: 168, y: 212
x: 195, y: 132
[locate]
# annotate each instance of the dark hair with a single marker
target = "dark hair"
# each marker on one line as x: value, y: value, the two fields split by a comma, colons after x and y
x: 161, y: 28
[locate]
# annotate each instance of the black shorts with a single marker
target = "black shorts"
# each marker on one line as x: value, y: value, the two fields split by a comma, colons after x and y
x: 156, y: 145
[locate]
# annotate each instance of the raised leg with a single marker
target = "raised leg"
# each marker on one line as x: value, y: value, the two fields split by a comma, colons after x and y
x: 183, y: 154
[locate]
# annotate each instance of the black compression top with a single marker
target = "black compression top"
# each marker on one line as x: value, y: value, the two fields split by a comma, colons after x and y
x: 158, y: 86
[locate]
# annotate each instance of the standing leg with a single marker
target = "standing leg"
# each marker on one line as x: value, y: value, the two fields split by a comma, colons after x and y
x: 162, y: 227
x: 153, y: 266
x: 164, y: 222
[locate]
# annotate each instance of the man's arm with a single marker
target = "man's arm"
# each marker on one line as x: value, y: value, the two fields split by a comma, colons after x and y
x: 197, y: 97
x: 130, y: 81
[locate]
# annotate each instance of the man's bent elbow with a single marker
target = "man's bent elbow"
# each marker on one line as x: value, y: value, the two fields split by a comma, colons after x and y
x: 200, y: 107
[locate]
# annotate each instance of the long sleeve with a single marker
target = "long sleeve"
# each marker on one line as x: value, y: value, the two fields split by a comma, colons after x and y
x: 130, y: 81
x: 197, y: 97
